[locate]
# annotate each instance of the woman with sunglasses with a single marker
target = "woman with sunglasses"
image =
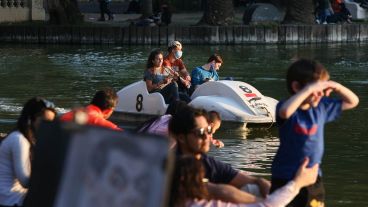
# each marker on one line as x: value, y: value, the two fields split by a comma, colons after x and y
x: 17, y: 148
x: 190, y: 188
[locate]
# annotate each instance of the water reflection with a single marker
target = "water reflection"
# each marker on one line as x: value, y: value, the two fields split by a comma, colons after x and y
x: 70, y: 75
x: 251, y: 150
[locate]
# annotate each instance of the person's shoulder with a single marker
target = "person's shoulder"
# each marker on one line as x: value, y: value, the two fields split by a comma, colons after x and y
x: 211, y: 160
x: 15, y: 137
x: 197, y: 69
x: 166, y: 62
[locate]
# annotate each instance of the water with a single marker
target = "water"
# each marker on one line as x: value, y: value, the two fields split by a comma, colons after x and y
x: 69, y: 76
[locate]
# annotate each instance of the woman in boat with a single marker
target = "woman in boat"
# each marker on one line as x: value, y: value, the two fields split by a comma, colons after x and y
x: 190, y: 188
x: 207, y: 71
x: 17, y: 148
x: 160, y: 79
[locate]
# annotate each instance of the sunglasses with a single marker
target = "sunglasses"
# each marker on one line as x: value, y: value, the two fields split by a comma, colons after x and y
x: 48, y: 104
x: 202, y: 132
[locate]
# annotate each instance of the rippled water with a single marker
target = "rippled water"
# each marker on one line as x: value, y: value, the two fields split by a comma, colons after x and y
x: 69, y: 76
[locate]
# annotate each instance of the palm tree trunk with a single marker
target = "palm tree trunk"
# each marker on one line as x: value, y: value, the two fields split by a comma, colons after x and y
x: 299, y: 12
x: 147, y: 9
x: 64, y: 12
x: 218, y: 12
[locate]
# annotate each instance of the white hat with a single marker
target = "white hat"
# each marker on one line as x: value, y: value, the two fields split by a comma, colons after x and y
x: 175, y: 43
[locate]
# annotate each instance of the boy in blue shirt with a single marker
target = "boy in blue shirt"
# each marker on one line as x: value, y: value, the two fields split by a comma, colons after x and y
x: 301, y: 119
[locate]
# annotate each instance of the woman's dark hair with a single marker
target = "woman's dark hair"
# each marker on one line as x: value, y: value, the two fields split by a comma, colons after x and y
x: 187, y: 182
x: 32, y: 109
x: 105, y: 99
x: 305, y: 71
x: 175, y: 107
x: 172, y: 109
x: 215, y: 57
x: 152, y: 56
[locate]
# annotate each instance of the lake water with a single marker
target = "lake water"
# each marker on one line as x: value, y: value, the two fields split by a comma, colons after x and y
x: 70, y: 75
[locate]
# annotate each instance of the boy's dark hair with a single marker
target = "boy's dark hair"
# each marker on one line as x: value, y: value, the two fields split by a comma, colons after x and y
x: 184, y: 120
x: 305, y: 71
x: 213, y: 116
x: 105, y: 99
x: 215, y: 57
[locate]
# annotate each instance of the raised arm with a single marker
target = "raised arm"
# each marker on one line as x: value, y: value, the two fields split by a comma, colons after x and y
x: 349, y: 98
x: 295, y: 101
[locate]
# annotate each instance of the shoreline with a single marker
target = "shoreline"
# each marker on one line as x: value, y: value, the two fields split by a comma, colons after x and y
x: 101, y: 34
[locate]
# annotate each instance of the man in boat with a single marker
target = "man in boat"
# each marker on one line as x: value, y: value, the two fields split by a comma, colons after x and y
x: 174, y: 62
x: 190, y: 129
x: 98, y: 111
x: 206, y: 72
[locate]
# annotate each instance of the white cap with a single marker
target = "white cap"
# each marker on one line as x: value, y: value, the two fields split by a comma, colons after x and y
x: 175, y: 43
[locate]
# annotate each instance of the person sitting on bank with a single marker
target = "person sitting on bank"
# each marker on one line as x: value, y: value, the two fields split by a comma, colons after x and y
x: 17, y: 148
x: 174, y: 62
x: 159, y: 79
x: 99, y: 110
x: 207, y: 72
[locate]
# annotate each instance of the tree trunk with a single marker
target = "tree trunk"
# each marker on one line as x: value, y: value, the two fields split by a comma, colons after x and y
x: 299, y: 12
x: 218, y: 12
x: 64, y: 12
x: 146, y: 8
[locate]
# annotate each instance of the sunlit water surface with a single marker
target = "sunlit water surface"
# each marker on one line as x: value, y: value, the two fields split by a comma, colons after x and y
x: 69, y: 76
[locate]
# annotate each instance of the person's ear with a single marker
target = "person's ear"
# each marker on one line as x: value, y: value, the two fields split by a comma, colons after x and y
x: 295, y: 86
x: 180, y: 138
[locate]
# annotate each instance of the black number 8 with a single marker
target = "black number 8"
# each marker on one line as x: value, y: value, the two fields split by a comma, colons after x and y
x: 245, y: 89
x: 139, y: 104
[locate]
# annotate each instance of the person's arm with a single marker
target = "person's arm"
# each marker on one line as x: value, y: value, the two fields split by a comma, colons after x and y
x: 217, y: 143
x: 228, y: 193
x: 184, y: 73
x: 292, y: 104
x: 241, y: 179
x: 21, y: 161
x: 349, y: 98
x: 304, y: 177
x: 155, y: 86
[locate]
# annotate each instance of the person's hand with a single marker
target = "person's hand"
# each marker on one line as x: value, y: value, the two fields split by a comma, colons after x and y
x: 306, y: 176
x: 264, y: 186
x: 318, y: 88
x: 167, y: 80
x: 332, y: 86
x: 187, y: 81
x: 187, y: 78
x: 217, y: 143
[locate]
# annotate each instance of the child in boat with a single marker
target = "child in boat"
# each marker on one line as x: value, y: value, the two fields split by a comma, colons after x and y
x: 301, y: 119
x: 214, y: 120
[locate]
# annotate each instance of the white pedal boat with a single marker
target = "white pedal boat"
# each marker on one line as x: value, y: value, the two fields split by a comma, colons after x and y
x: 235, y: 101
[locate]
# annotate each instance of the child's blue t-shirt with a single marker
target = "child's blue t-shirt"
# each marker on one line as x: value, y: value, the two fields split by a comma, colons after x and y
x: 199, y: 75
x: 302, y: 136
